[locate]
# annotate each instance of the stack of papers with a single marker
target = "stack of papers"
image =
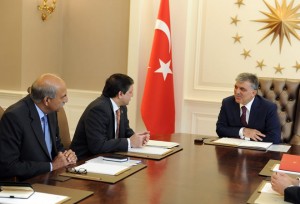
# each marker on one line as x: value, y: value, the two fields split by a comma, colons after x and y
x: 163, y: 144
x: 150, y: 150
x: 128, y: 163
x: 277, y: 169
x: 243, y: 143
x: 103, y: 168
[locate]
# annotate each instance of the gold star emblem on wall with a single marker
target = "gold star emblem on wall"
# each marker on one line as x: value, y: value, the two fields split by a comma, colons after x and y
x: 278, y: 69
x: 260, y: 64
x: 281, y: 22
x: 246, y: 53
x: 297, y: 66
x: 237, y: 38
x: 239, y: 3
x: 235, y: 20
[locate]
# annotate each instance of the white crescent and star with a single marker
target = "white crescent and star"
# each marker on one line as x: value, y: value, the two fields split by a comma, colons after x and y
x: 164, y: 66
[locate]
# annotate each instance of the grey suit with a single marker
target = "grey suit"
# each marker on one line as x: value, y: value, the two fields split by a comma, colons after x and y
x: 95, y: 132
x: 23, y: 151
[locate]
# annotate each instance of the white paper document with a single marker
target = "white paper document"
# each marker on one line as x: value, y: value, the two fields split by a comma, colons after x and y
x: 267, y: 188
x: 243, y: 143
x: 130, y: 162
x: 279, y: 148
x: 36, y: 198
x: 150, y: 150
x: 163, y: 144
x: 103, y: 168
x: 268, y: 195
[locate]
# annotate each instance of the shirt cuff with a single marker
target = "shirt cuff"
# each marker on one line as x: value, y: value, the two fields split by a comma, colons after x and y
x: 129, y: 145
x: 241, y: 133
x: 51, y: 168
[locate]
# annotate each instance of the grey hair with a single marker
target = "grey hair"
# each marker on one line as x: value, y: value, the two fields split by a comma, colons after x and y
x: 38, y: 91
x: 252, y: 78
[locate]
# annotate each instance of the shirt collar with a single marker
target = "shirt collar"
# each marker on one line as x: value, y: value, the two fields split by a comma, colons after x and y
x: 40, y: 112
x: 248, y: 105
x: 115, y: 106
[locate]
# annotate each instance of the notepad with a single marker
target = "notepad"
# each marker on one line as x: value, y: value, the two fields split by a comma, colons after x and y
x: 150, y: 150
x: 290, y: 162
x: 15, y: 190
x: 37, y: 197
x: 234, y: 142
x: 103, y: 168
x: 163, y: 144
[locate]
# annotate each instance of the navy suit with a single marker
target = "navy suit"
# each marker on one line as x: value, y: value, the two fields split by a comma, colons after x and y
x: 263, y: 117
x: 292, y: 194
x: 23, y: 150
x: 95, y: 131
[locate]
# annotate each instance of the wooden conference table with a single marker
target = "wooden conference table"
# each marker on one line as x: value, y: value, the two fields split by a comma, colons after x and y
x: 199, y: 173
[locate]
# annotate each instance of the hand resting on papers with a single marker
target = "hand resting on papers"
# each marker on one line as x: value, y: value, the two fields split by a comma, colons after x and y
x: 253, y: 134
x: 140, y: 139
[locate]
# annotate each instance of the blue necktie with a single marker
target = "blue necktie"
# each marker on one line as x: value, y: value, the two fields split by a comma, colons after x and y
x: 47, y: 134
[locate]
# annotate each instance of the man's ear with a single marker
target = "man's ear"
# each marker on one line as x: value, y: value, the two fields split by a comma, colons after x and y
x: 255, y: 92
x: 120, y: 94
x: 46, y: 100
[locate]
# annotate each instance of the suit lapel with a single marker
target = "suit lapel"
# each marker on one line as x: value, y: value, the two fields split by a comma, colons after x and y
x: 51, y: 122
x: 37, y: 126
x: 112, y: 116
x: 254, y: 113
x: 236, y: 112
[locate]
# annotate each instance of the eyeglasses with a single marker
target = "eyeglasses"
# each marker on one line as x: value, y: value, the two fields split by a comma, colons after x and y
x: 77, y: 171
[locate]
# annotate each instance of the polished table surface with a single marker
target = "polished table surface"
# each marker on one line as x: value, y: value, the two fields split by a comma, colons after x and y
x: 199, y: 173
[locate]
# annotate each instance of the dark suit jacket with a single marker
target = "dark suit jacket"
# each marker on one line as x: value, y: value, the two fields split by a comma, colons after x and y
x: 23, y: 151
x: 95, y: 131
x: 263, y: 117
x: 292, y: 194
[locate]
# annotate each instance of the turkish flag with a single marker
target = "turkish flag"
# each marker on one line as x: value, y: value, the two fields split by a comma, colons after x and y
x: 158, y: 108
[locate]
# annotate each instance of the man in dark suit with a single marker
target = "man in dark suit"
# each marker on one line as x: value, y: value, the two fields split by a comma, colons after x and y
x: 260, y: 120
x: 29, y: 135
x: 97, y: 130
x: 287, y: 186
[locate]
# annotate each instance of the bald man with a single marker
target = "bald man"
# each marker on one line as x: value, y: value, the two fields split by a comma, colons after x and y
x: 29, y: 135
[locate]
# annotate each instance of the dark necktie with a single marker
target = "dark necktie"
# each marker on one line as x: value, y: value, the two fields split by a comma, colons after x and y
x: 118, y: 115
x: 243, y: 116
x: 47, y: 134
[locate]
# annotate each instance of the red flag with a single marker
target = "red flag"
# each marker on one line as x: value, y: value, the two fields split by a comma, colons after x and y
x: 158, y: 109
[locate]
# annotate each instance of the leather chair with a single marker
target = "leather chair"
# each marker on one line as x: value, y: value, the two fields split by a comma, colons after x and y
x: 1, y: 112
x: 63, y: 125
x: 285, y: 94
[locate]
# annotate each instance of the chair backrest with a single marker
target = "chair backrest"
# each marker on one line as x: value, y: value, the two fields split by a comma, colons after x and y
x: 285, y: 94
x: 1, y: 112
x: 63, y: 125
